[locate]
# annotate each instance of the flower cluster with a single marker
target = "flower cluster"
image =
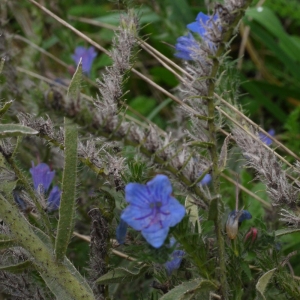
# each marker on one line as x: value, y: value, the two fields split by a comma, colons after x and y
x: 42, y: 178
x: 87, y: 56
x: 186, y: 46
x: 152, y: 209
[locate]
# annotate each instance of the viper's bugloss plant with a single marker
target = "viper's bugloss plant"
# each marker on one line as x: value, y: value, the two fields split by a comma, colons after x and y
x: 159, y: 171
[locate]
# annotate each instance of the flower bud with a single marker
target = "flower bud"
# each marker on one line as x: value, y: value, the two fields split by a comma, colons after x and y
x: 252, y: 233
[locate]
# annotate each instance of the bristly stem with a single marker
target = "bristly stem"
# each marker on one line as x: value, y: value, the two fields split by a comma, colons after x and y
x: 213, y: 149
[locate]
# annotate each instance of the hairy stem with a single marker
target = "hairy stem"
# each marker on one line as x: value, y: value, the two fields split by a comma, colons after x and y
x: 43, y: 258
x: 213, y: 149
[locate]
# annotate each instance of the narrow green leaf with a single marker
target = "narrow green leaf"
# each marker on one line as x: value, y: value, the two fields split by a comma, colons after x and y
x: 47, y: 241
x: 68, y: 198
x: 257, y: 93
x: 267, y: 39
x: 246, y: 269
x: 158, y: 108
x: 75, y: 85
x: 8, y: 130
x: 17, y: 268
x: 2, y: 64
x: 263, y: 282
x: 187, y: 290
x: 267, y: 19
x: 55, y: 288
x: 285, y: 231
x: 192, y: 208
x: 5, y: 107
x: 6, y: 243
x: 213, y: 209
x: 121, y: 275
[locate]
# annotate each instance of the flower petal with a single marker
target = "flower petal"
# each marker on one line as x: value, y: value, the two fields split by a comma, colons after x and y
x: 54, y: 199
x: 138, y: 195
x: 157, y: 237
x: 176, y: 210
x: 41, y: 174
x: 160, y: 188
x: 136, y: 217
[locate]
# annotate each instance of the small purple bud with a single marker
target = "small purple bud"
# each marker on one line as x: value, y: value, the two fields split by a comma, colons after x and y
x: 121, y: 232
x: 174, y: 263
x: 54, y: 199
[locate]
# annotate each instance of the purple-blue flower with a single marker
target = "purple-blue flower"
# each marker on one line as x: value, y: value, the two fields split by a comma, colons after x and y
x: 121, y: 232
x: 174, y: 263
x: 54, y: 199
x: 87, y: 55
x: 185, y: 46
x: 265, y: 138
x: 41, y: 174
x: 152, y: 209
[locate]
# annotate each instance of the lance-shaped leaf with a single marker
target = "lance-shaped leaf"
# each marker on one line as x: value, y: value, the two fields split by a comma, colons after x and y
x: 263, y: 282
x: 119, y: 275
x: 223, y: 155
x: 43, y: 258
x: 5, y: 107
x: 47, y: 241
x: 6, y: 243
x: 8, y: 130
x: 192, y: 209
x: 187, y: 290
x: 285, y: 231
x: 2, y: 61
x: 68, y: 198
x: 17, y: 268
x: 75, y: 85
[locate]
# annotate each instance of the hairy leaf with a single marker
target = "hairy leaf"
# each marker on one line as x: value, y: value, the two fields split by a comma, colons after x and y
x: 121, y: 275
x: 8, y: 130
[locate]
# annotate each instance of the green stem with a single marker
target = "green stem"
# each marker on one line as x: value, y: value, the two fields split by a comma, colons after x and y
x: 213, y: 149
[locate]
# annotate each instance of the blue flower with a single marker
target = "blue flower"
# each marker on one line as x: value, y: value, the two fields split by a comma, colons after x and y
x: 87, y: 55
x: 235, y: 218
x: 54, y: 198
x: 152, y: 209
x: 121, y: 232
x: 41, y: 175
x: 185, y: 46
x: 265, y: 138
x: 174, y: 263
